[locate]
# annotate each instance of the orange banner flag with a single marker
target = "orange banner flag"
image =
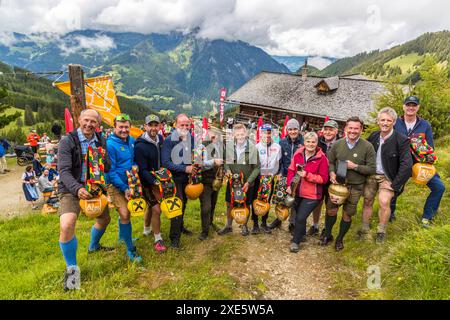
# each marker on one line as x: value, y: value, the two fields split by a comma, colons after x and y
x: 100, y: 96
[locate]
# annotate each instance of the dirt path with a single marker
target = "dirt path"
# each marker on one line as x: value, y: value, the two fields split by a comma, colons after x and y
x: 12, y: 199
x: 280, y: 274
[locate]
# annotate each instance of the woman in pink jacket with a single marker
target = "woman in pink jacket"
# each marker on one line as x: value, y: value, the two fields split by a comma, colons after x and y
x: 313, y: 170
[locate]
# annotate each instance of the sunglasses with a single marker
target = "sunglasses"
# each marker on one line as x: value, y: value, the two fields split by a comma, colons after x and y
x: 122, y: 117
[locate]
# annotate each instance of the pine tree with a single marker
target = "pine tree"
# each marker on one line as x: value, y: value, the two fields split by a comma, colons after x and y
x: 41, y: 114
x: 29, y: 116
x: 4, y: 118
x: 19, y: 122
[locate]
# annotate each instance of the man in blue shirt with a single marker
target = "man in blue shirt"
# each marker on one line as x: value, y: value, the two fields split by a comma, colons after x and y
x: 120, y: 147
x: 412, y: 126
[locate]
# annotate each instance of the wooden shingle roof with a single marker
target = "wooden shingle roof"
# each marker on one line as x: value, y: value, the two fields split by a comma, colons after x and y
x: 290, y: 93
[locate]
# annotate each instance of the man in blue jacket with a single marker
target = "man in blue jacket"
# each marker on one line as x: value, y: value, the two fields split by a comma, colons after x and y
x: 289, y: 145
x: 120, y: 147
x: 412, y: 126
x: 177, y: 157
x: 147, y: 155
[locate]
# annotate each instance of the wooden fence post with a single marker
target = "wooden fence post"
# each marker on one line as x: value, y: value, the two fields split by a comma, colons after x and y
x: 78, y: 97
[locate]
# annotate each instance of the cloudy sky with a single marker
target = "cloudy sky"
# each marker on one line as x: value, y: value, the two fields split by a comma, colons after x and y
x: 330, y: 28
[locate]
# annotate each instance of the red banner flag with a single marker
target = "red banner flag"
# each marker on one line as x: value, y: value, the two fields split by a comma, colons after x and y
x: 68, y: 119
x: 204, y: 128
x: 284, y: 131
x: 260, y: 123
x: 223, y: 93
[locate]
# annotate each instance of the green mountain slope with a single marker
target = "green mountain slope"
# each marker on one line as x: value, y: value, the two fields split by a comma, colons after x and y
x: 402, y: 60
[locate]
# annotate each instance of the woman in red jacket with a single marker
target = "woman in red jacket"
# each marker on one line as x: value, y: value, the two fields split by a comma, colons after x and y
x: 313, y: 170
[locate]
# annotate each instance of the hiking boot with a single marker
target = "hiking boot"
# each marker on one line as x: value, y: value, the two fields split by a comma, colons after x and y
x: 294, y: 247
x: 244, y: 230
x: 224, y: 231
x: 426, y: 223
x: 313, y: 231
x: 134, y: 256
x: 265, y: 228
x: 324, y: 241
x: 160, y: 247
x: 72, y: 278
x: 186, y: 232
x: 255, y: 229
x: 339, y: 245
x: 380, y: 237
x: 175, y: 244
x: 203, y: 236
x: 275, y: 224
x: 101, y: 248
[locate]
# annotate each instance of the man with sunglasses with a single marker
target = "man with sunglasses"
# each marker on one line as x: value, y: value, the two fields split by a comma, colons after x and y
x: 289, y: 145
x: 120, y: 147
x: 412, y: 126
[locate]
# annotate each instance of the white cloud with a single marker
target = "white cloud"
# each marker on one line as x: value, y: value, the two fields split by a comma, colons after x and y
x: 287, y: 27
x: 7, y: 38
x: 99, y: 42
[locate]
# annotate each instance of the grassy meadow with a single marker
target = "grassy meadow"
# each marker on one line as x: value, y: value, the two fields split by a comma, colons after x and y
x: 414, y: 262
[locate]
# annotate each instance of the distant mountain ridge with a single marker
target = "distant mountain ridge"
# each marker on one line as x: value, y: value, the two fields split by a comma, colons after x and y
x: 164, y: 71
x: 294, y: 63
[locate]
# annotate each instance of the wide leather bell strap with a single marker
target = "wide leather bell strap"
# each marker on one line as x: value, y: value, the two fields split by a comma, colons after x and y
x: 341, y: 171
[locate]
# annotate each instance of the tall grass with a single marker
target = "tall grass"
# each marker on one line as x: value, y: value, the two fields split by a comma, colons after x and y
x: 32, y: 267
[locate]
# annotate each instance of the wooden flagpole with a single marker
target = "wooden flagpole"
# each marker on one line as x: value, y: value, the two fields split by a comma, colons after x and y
x: 78, y: 96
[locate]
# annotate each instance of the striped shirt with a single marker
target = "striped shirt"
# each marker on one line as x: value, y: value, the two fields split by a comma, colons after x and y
x: 85, y: 143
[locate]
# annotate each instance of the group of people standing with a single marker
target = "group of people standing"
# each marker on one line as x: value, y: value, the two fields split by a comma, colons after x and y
x: 382, y: 164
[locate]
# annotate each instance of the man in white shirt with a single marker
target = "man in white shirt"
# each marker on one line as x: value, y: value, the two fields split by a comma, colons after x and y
x: 270, y: 158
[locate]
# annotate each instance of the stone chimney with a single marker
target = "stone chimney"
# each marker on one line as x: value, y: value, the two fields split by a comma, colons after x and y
x: 305, y: 70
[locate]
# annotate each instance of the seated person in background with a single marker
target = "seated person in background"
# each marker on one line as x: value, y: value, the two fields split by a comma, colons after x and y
x: 37, y: 166
x: 45, y: 139
x: 51, y: 157
x: 44, y: 183
x: 52, y: 173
